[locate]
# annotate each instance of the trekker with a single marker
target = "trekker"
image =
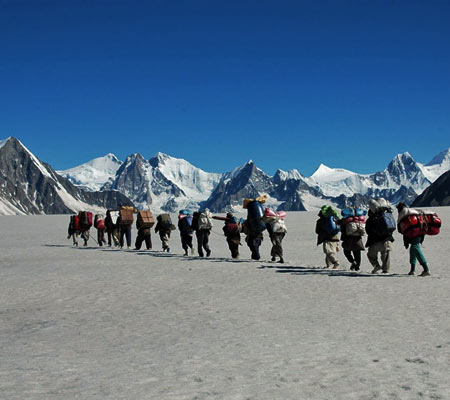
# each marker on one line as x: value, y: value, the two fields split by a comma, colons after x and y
x: 378, y: 243
x: 85, y: 224
x: 328, y: 236
x: 276, y: 238
x: 124, y: 232
x: 232, y: 233
x: 202, y: 225
x: 125, y: 221
x: 253, y: 240
x: 351, y: 244
x: 414, y: 244
x: 164, y: 226
x: 74, y: 229
x: 99, y: 224
x: 186, y: 231
x: 111, y: 229
x: 144, y: 235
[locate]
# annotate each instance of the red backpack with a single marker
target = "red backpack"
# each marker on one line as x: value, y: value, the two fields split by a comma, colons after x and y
x: 75, y: 221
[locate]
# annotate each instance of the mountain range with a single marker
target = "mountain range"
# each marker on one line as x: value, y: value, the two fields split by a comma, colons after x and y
x: 29, y: 186
x: 165, y: 183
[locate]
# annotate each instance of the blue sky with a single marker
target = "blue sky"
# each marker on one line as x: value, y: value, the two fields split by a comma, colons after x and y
x: 289, y: 84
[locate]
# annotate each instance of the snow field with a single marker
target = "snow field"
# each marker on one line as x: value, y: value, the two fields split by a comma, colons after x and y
x: 103, y: 323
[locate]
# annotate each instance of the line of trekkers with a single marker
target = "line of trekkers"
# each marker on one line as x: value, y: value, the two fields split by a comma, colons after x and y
x: 115, y: 229
x: 380, y: 225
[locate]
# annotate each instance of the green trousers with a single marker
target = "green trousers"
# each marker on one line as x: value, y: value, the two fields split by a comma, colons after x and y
x: 416, y: 254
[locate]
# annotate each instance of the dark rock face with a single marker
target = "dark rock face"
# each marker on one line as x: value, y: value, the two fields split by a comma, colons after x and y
x: 141, y: 180
x: 246, y: 182
x: 33, y: 187
x: 438, y: 194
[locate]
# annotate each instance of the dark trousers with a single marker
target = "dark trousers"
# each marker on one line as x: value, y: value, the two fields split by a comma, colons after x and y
x: 186, y: 241
x: 253, y: 243
x: 125, y: 231
x: 353, y: 256
x: 233, y: 245
x: 203, y: 241
x: 143, y: 238
x: 101, y: 236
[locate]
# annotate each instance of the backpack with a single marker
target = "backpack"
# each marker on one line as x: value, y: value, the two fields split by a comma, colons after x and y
x: 74, y: 223
x: 419, y: 222
x: 384, y: 223
x: 185, y: 224
x: 145, y: 219
x: 331, y: 225
x: 99, y: 221
x: 255, y: 212
x: 278, y: 225
x: 85, y: 219
x: 165, y: 221
x: 379, y: 204
x: 204, y: 220
x: 348, y: 212
x: 355, y: 228
x: 231, y: 228
x: 126, y: 215
x: 329, y: 211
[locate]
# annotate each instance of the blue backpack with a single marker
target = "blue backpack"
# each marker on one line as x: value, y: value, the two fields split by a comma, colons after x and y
x: 331, y: 225
x: 384, y: 223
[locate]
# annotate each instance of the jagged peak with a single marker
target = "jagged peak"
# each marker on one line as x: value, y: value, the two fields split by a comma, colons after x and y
x: 403, y: 156
x: 13, y: 139
x: 401, y: 159
x: 440, y: 158
x: 134, y: 157
x: 4, y: 141
x: 285, y: 175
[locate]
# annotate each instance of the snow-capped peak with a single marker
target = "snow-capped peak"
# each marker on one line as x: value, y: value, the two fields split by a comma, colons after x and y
x: 443, y: 156
x: 93, y: 174
x: 191, y: 180
x: 437, y: 166
x: 327, y: 174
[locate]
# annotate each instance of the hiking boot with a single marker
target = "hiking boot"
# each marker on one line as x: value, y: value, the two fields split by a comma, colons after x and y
x: 208, y: 253
x: 425, y: 273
